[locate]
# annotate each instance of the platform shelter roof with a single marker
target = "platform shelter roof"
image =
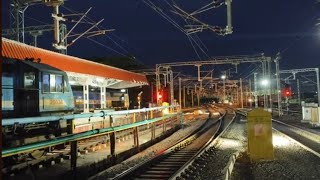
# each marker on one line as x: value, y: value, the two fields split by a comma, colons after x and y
x: 73, y: 65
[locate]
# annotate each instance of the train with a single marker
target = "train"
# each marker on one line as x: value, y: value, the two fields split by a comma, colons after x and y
x: 30, y: 89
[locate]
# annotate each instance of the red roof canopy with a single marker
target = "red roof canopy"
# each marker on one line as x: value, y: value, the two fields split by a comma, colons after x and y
x: 17, y: 50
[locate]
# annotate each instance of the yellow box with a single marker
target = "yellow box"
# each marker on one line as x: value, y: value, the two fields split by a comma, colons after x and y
x: 259, y: 130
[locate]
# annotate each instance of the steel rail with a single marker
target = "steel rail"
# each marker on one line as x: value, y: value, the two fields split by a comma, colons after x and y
x: 175, y: 147
x: 208, y: 145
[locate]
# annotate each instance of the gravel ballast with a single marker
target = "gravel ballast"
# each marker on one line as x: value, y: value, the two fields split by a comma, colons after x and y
x: 291, y: 161
x: 151, y: 151
x: 232, y: 141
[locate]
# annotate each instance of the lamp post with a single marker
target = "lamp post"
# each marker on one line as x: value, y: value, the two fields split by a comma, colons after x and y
x: 223, y: 77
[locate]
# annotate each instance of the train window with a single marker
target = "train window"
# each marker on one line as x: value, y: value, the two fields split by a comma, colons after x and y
x: 45, y: 82
x: 59, y: 83
x: 52, y: 83
x: 29, y: 80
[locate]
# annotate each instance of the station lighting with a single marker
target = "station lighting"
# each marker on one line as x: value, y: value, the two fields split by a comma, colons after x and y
x: 264, y: 82
x: 223, y: 77
x: 122, y: 90
x: 250, y: 100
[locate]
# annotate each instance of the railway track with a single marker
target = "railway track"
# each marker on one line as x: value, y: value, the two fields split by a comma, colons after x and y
x: 174, y: 161
x: 307, y: 139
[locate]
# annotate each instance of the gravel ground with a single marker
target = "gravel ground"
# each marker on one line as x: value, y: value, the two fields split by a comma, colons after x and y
x: 231, y: 141
x: 295, y: 120
x: 291, y: 162
x: 151, y: 151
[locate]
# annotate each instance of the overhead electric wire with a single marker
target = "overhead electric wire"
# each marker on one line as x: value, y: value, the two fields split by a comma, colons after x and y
x: 105, y: 46
x: 89, y: 20
x: 195, y: 50
x: 182, y: 29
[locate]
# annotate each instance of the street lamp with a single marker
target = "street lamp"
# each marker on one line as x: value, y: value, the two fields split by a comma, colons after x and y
x: 250, y: 101
x: 223, y: 77
x: 265, y: 82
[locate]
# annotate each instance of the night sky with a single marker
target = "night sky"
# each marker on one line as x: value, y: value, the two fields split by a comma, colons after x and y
x: 259, y: 26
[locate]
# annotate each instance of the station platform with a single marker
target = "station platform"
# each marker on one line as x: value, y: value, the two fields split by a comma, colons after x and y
x: 94, y: 155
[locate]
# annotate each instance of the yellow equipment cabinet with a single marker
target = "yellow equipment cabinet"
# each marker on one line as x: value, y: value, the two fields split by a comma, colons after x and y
x: 259, y: 128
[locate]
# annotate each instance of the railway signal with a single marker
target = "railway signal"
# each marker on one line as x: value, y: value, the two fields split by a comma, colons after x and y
x: 287, y: 90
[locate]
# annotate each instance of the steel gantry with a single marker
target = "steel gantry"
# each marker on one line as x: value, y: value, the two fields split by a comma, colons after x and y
x: 223, y: 60
x: 17, y: 11
x: 295, y: 71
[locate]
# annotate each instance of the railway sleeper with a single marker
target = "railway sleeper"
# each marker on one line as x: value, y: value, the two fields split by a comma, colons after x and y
x: 154, y: 176
x: 152, y: 171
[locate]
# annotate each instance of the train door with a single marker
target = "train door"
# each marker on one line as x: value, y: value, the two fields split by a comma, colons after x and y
x: 27, y: 97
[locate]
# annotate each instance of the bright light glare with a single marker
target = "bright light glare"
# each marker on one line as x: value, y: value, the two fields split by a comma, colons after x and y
x: 223, y: 77
x: 230, y: 143
x: 250, y: 100
x: 280, y: 141
x: 123, y: 90
x: 100, y: 79
x: 264, y: 82
x: 216, y: 113
x: 165, y: 111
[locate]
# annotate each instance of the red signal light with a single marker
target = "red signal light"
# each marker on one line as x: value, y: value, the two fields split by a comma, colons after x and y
x: 287, y: 92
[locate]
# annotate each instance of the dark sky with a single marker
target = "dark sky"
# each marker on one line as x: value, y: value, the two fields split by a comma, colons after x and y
x: 259, y: 26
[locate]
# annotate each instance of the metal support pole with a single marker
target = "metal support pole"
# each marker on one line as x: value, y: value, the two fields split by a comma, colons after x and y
x: 171, y: 88
x: 151, y: 84
x: 180, y: 92
x: 224, y: 90
x: 153, y: 131
x: 136, y: 138
x: 103, y: 97
x: 56, y: 24
x: 198, y: 97
x: 250, y: 91
x: 112, y: 137
x: 241, y: 93
x: 298, y: 89
x: 270, y: 84
x: 184, y: 96
x: 86, y: 98
x: 200, y: 88
x: 112, y: 143
x: 74, y: 154
x: 318, y: 86
x: 264, y: 88
x: 255, y: 90
x: 22, y: 15
x: 157, y: 84
x: 278, y: 83
x: 192, y: 102
x: 199, y: 75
